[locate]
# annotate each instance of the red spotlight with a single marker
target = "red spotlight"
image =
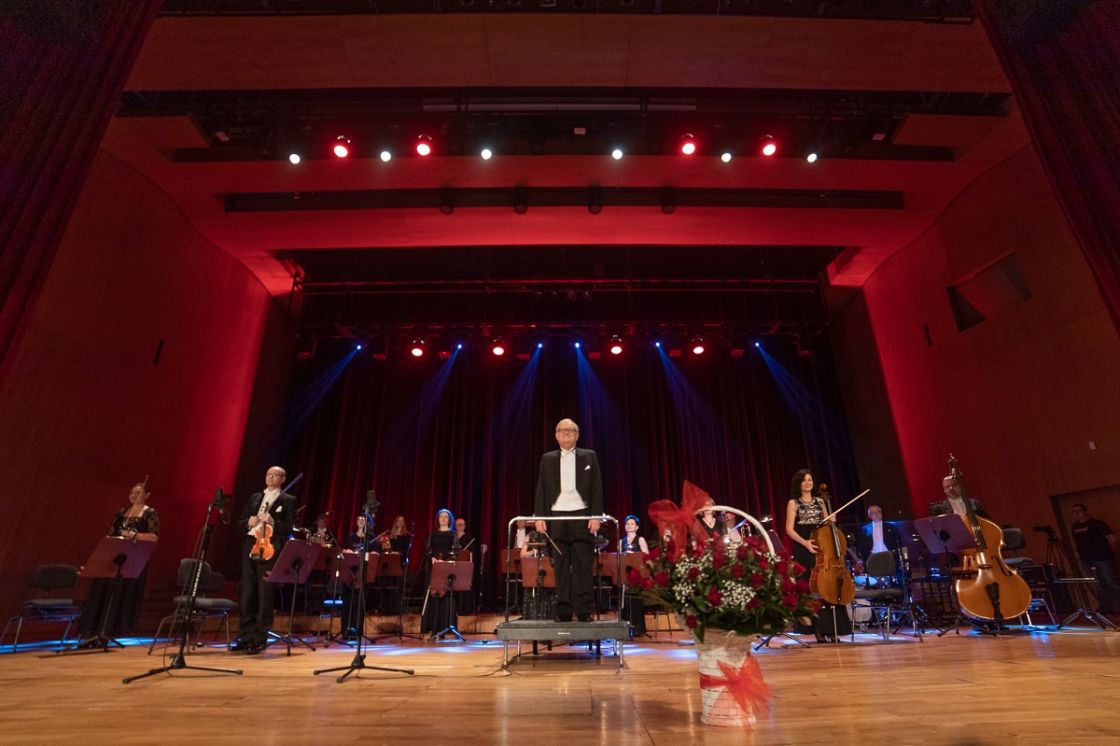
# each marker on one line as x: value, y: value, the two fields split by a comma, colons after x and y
x: 769, y: 146
x: 341, y: 147
x: 696, y: 345
x: 498, y: 347
x: 423, y: 146
x: 616, y: 345
x: 417, y: 348
x: 688, y: 145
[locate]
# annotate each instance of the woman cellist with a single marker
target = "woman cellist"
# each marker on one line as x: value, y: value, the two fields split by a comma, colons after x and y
x: 804, y: 514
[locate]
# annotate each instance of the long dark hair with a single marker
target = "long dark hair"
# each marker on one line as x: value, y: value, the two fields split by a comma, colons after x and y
x: 795, y: 483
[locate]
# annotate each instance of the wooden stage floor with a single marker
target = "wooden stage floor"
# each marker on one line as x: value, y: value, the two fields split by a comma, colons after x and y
x: 1059, y: 688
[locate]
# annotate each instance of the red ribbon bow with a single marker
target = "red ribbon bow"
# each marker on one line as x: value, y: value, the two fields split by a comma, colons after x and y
x: 681, y: 521
x: 745, y: 685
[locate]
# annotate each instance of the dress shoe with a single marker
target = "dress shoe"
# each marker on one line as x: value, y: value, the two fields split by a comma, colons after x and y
x: 241, y: 646
x: 584, y: 617
x: 256, y: 650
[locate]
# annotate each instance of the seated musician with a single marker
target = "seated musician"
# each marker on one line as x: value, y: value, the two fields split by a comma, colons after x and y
x: 539, y: 602
x: 396, y: 540
x: 633, y: 605
x: 321, y: 534
x: 876, y: 536
x: 954, y: 501
x: 353, y: 618
x: 716, y: 525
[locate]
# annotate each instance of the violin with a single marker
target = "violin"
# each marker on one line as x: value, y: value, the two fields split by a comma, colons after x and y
x: 991, y: 590
x: 263, y: 549
x: 831, y: 579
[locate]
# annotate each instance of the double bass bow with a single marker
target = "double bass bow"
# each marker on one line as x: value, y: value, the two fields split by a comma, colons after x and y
x: 990, y: 590
x: 831, y: 579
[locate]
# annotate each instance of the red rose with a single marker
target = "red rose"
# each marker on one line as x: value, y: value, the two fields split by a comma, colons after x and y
x: 654, y: 553
x: 743, y: 552
x: 633, y: 577
x: 788, y: 585
x: 738, y: 571
x: 661, y: 578
x: 802, y: 586
x: 647, y: 583
x: 764, y: 563
x: 693, y: 573
x: 714, y: 597
x: 756, y: 579
x: 719, y: 559
x: 691, y: 621
x: 797, y: 569
x: 753, y: 603
x: 782, y: 568
x: 789, y: 601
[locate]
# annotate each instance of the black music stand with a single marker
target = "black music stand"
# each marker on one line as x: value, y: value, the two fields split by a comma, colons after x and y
x: 349, y: 571
x: 392, y: 565
x: 294, y: 566
x: 359, y: 661
x: 449, y: 577
x: 945, y: 535
x: 179, y: 661
x: 118, y: 559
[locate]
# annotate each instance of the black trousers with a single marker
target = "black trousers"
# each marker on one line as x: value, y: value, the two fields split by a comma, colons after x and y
x: 574, y: 566
x: 256, y: 596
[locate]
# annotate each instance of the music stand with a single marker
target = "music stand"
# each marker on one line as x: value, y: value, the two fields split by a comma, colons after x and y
x: 349, y: 570
x: 118, y: 559
x: 359, y: 661
x: 392, y: 565
x: 294, y: 566
x: 449, y: 577
x: 946, y: 534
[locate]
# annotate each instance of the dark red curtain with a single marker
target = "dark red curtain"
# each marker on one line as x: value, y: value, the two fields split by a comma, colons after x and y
x: 468, y: 434
x: 63, y: 66
x: 1063, y: 60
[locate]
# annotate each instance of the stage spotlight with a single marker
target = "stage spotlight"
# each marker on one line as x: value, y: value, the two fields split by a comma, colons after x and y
x: 577, y: 345
x: 617, y: 154
x: 459, y: 346
x: 294, y: 158
x: 688, y: 145
x: 386, y: 156
x: 657, y: 344
x: 357, y: 347
x: 423, y: 146
x: 487, y: 154
x: 758, y: 345
x: 616, y: 345
x: 341, y: 147
x: 540, y: 345
x: 769, y: 146
x: 811, y: 157
x: 725, y: 157
x: 417, y: 349
x: 498, y: 348
x: 696, y: 345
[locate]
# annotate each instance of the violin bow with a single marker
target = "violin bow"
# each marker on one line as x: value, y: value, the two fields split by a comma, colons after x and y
x: 832, y: 515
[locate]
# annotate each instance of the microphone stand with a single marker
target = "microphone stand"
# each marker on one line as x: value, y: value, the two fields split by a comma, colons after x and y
x: 179, y: 660
x: 359, y: 661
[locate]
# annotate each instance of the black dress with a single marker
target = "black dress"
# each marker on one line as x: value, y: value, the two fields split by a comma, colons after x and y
x: 809, y: 517
x: 633, y: 605
x: 352, y: 615
x: 437, y: 616
x: 125, y: 616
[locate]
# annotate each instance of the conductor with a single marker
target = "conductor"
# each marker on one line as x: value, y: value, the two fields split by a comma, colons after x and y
x: 569, y: 483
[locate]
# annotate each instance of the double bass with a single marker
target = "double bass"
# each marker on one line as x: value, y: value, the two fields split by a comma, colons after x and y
x: 831, y: 579
x: 989, y: 590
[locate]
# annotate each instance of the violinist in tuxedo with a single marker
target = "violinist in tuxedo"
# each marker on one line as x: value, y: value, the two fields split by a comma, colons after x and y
x: 569, y: 483
x: 275, y: 508
x: 877, y: 536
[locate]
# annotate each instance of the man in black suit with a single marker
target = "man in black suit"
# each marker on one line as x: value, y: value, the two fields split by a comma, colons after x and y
x: 569, y: 484
x: 275, y: 508
x: 954, y: 501
x: 878, y: 535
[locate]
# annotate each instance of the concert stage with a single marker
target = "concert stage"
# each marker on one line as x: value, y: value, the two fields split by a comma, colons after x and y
x: 1029, y: 689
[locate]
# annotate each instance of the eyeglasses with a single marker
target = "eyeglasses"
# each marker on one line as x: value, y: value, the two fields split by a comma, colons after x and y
x: 567, y: 430
x: 274, y: 474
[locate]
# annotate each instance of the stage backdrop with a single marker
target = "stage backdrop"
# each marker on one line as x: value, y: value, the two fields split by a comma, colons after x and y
x: 468, y: 432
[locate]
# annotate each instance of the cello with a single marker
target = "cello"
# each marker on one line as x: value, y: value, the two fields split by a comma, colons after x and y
x: 991, y: 590
x: 830, y: 578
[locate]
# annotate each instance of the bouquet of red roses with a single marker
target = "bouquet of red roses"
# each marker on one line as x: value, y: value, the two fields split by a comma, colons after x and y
x: 744, y: 588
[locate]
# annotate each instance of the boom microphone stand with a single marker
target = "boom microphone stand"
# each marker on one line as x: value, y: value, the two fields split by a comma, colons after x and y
x: 179, y: 661
x: 359, y: 662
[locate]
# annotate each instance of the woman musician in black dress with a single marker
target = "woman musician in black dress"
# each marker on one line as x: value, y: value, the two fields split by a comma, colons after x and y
x: 632, y: 603
x: 443, y: 544
x: 138, y: 521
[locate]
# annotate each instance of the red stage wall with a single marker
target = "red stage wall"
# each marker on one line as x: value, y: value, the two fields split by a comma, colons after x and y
x: 1017, y: 397
x: 85, y: 412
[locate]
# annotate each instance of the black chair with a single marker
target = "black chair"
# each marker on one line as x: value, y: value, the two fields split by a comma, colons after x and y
x: 205, y: 605
x: 887, y: 600
x: 46, y: 608
x: 1035, y: 575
